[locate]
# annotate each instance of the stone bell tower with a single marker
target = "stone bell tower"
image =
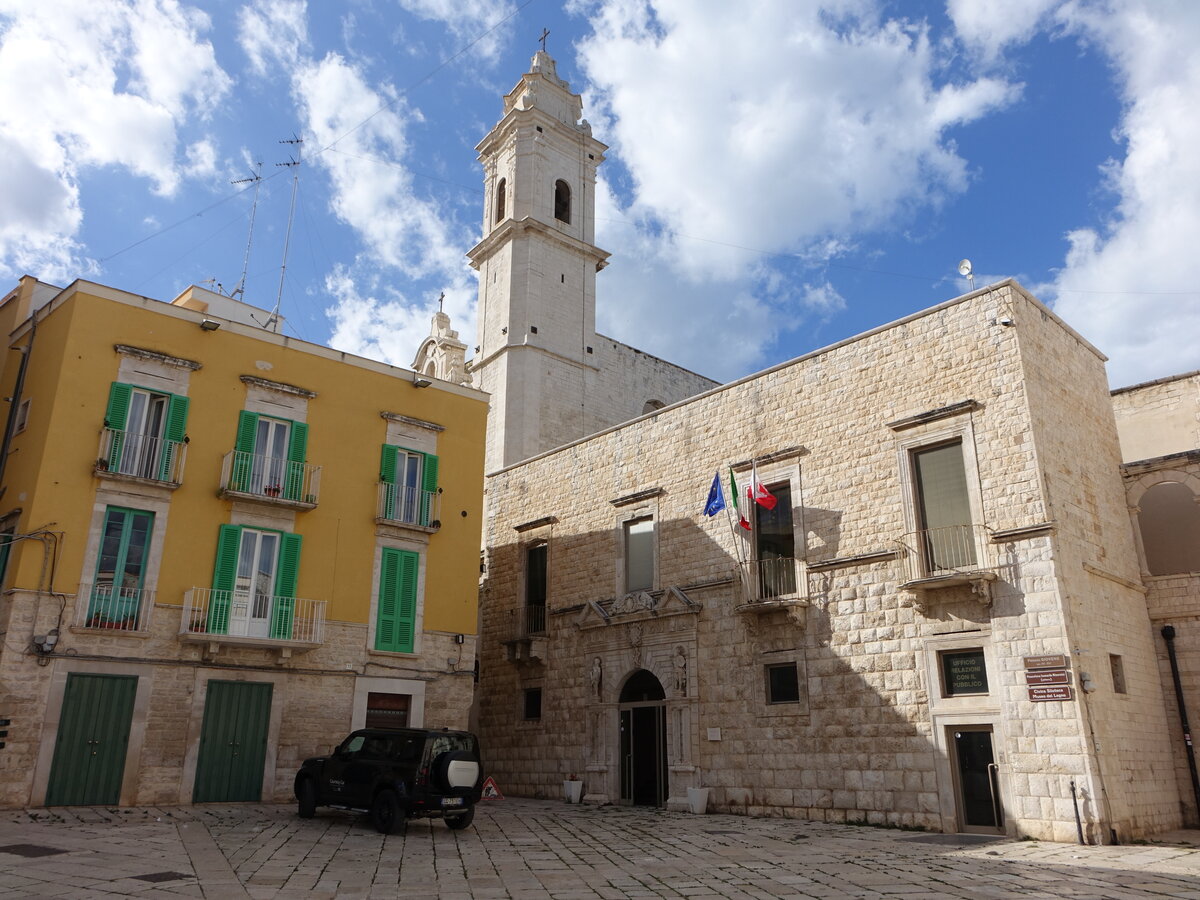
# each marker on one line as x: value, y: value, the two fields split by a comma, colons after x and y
x: 537, y: 264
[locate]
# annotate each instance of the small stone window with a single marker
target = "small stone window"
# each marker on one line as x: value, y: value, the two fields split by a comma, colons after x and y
x: 501, y: 196
x: 783, y: 685
x: 562, y: 201
x: 533, y: 704
x: 1117, y: 667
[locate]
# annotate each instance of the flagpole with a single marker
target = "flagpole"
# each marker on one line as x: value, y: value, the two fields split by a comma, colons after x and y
x: 733, y: 528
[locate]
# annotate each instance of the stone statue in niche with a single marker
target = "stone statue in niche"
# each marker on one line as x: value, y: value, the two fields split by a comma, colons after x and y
x: 596, y: 676
x: 680, y: 662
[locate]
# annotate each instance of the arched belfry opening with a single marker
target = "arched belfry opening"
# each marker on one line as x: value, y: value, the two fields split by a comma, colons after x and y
x: 1169, y: 519
x: 562, y: 201
x: 643, y: 711
x: 501, y: 198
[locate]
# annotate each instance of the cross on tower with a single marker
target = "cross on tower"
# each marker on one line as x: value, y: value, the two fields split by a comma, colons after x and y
x: 544, y: 35
x: 441, y: 299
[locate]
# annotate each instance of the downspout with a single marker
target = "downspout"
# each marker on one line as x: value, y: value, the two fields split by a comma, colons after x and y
x: 1168, y: 633
x: 15, y: 401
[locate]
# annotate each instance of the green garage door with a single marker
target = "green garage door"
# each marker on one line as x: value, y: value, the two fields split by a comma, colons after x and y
x: 93, y: 735
x: 233, y: 742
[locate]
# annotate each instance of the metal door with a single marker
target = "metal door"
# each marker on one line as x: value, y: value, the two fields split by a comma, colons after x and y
x: 93, y: 736
x: 233, y: 742
x: 977, y: 782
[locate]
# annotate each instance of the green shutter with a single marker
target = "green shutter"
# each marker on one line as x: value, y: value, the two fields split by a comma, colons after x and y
x: 387, y: 474
x: 177, y: 412
x: 397, y: 614
x: 429, y: 485
x: 285, y: 586
x: 247, y: 430
x: 293, y: 482
x: 224, y: 576
x: 116, y: 417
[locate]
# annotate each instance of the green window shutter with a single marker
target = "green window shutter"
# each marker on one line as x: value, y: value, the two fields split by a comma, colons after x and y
x: 429, y: 485
x: 396, y: 620
x: 224, y: 575
x: 116, y: 416
x: 293, y: 482
x: 285, y: 586
x: 177, y: 412
x: 387, y: 474
x: 247, y: 429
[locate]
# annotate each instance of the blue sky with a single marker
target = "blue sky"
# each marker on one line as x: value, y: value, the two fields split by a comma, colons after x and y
x: 781, y: 174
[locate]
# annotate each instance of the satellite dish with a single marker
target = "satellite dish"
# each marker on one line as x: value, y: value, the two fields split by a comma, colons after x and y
x: 964, y: 268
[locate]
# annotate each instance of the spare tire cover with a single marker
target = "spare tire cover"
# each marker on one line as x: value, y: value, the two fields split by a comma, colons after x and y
x: 455, y: 769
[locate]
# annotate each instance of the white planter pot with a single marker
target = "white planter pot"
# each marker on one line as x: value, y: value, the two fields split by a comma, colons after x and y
x: 697, y: 800
x: 572, y: 791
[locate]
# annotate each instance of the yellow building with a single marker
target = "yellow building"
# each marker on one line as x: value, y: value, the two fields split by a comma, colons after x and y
x: 222, y: 548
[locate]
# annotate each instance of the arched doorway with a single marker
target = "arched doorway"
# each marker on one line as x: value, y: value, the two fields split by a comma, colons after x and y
x: 643, y: 711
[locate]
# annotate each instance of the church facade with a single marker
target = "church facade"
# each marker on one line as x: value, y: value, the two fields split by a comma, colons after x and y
x: 937, y: 620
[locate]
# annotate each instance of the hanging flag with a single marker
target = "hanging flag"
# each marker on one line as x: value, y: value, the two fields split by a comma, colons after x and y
x: 733, y: 492
x: 758, y: 491
x: 716, y: 498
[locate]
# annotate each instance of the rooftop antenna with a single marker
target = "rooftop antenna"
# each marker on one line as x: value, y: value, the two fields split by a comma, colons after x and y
x: 964, y: 269
x: 255, y: 179
x: 294, y: 164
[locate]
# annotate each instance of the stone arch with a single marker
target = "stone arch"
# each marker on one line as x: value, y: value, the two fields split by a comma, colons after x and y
x: 1137, y: 489
x: 562, y: 201
x: 1169, y: 519
x: 641, y: 685
x: 501, y: 198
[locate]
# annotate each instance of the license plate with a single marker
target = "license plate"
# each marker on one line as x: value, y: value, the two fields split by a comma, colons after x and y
x: 452, y: 801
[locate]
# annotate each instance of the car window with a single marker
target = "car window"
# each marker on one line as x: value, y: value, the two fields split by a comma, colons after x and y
x: 406, y: 748
x: 375, y: 747
x: 353, y: 744
x: 439, y: 744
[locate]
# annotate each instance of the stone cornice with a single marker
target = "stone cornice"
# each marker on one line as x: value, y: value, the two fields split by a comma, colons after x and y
x: 155, y: 356
x: 638, y: 496
x: 536, y: 523
x: 511, y: 228
x: 409, y: 420
x: 933, y: 415
x: 772, y: 457
x: 277, y: 386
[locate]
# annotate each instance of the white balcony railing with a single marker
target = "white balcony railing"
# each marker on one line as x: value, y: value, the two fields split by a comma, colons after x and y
x: 141, y: 456
x: 113, y: 608
x: 270, y: 477
x: 955, y: 550
x: 772, y: 579
x: 409, y: 506
x: 252, y: 619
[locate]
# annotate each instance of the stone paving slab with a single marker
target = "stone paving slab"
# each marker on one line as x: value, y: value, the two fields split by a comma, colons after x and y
x: 543, y: 850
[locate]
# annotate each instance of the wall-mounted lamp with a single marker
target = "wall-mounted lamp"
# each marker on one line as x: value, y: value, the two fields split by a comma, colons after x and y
x: 420, y: 382
x: 209, y: 325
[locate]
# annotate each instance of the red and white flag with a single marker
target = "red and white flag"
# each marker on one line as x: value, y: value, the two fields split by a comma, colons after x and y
x: 757, y: 492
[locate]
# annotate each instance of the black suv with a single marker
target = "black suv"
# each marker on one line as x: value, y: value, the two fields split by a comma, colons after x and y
x: 396, y: 775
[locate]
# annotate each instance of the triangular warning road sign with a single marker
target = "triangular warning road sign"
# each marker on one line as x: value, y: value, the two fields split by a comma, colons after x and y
x: 490, y: 791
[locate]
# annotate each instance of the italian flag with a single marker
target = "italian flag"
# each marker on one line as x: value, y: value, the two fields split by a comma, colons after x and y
x: 733, y: 492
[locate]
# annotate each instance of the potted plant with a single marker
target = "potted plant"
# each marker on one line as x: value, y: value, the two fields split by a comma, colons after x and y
x: 572, y: 788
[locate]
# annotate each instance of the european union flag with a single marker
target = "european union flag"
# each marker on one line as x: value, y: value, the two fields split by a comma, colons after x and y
x: 716, y: 497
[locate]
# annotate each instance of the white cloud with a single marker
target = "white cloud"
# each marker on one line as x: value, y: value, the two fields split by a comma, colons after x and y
x: 468, y: 20
x: 85, y: 84
x: 273, y: 33
x: 774, y: 126
x: 989, y: 27
x: 1130, y: 285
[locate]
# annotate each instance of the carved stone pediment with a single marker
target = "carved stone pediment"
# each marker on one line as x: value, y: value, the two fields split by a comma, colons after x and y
x: 635, y: 606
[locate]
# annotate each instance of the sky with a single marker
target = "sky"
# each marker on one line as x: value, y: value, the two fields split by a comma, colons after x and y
x: 781, y: 174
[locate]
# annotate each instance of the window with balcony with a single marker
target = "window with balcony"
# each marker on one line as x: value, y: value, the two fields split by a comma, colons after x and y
x: 143, y: 433
x: 117, y: 597
x: 536, y: 558
x: 408, y: 482
x: 639, y: 554
x: 775, y: 545
x: 269, y: 459
x: 396, y: 614
x: 254, y: 584
x: 945, y: 537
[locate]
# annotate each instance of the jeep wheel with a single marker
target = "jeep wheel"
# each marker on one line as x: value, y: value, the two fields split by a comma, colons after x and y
x: 386, y: 814
x: 306, y: 799
x: 462, y: 820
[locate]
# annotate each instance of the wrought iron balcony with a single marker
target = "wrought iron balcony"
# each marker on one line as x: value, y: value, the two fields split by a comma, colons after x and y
x: 947, y: 557
x: 270, y: 478
x: 109, y: 607
x: 257, y: 620
x: 403, y: 505
x: 773, y: 582
x: 140, y: 456
x: 525, y: 636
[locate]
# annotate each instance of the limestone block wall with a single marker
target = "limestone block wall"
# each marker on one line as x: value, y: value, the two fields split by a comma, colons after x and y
x: 1159, y: 417
x: 872, y: 736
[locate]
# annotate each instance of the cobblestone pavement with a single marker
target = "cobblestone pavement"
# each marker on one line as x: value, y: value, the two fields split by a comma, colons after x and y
x: 540, y: 849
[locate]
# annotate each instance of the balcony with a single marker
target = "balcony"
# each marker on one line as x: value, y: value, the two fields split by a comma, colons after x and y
x: 236, y: 618
x: 280, y: 482
x: 525, y: 634
x: 109, y: 608
x: 126, y: 454
x: 410, y: 507
x: 779, y: 582
x: 953, y: 556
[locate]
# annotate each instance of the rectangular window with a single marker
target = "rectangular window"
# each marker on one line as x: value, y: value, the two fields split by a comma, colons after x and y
x: 775, y: 545
x: 1118, y: 673
x: 410, y: 482
x: 254, y: 582
x: 639, y: 555
x: 145, y: 430
x: 946, y: 539
x: 269, y: 457
x: 533, y: 704
x: 387, y: 710
x: 963, y: 672
x: 783, y: 683
x: 395, y: 623
x: 535, y: 589
x: 116, y: 600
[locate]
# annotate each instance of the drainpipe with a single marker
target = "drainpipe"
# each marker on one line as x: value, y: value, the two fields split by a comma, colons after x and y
x: 1168, y: 633
x: 15, y: 401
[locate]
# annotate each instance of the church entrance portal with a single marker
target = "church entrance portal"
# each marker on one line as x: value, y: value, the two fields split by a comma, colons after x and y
x: 643, y: 711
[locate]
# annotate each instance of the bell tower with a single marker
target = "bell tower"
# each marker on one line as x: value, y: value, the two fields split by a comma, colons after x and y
x: 537, y: 267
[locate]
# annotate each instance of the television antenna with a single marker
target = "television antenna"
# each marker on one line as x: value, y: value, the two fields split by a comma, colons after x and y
x: 294, y: 165
x: 964, y: 269
x: 255, y: 179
